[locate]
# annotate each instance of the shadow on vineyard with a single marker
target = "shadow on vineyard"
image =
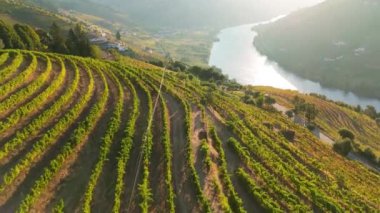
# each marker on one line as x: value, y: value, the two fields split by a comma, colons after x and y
x: 85, y: 135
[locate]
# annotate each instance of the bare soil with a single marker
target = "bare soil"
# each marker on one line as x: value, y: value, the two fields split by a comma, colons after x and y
x: 185, y: 194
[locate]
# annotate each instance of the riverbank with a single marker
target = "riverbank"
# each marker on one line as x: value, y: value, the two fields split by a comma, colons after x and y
x: 240, y: 60
x: 337, y: 51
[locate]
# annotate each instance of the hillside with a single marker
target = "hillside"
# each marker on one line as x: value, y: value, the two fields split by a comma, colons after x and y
x: 22, y: 13
x: 335, y: 43
x: 334, y: 116
x: 78, y: 134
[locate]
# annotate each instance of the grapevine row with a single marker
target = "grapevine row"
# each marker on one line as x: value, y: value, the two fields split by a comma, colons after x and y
x: 112, y: 128
x: 21, y: 95
x: 126, y: 146
x: 12, y: 68
x: 77, y: 137
x: 3, y: 58
x: 31, y: 106
x: 15, y: 83
x: 35, y: 125
x: 50, y: 136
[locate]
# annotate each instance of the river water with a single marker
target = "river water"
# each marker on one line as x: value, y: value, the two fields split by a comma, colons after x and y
x: 236, y: 55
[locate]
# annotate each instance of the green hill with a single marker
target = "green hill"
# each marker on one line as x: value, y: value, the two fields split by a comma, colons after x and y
x: 22, y: 13
x: 335, y: 43
x: 78, y: 134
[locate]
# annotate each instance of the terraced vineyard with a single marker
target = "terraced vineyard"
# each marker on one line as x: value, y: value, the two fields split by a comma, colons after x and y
x: 81, y: 135
x: 333, y: 117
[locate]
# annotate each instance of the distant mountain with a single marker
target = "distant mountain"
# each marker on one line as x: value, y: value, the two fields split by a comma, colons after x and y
x: 336, y: 43
x: 103, y: 14
x: 203, y: 13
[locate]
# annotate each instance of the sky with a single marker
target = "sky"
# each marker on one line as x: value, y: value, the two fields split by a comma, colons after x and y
x: 201, y: 13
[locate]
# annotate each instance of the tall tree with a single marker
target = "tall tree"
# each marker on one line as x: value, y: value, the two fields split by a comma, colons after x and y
x: 10, y: 38
x: 311, y: 112
x: 58, y: 41
x: 30, y: 38
x: 371, y: 111
x: 118, y: 35
x: 72, y: 43
x: 78, y: 43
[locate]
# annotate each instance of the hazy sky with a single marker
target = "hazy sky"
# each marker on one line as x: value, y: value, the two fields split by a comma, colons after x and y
x: 205, y: 12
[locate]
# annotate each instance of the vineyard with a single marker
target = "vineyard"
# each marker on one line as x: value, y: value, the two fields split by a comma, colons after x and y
x: 84, y: 135
x: 334, y: 117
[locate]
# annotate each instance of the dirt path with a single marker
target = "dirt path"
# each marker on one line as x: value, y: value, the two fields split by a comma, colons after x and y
x: 131, y: 170
x: 105, y: 188
x: 298, y: 120
x: 185, y: 199
x: 233, y: 161
x: 198, y: 128
x: 70, y: 182
x: 157, y: 166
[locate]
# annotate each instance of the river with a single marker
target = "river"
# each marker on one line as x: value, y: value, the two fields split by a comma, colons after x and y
x: 236, y: 55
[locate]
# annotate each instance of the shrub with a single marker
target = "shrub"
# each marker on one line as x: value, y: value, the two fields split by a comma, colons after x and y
x: 268, y: 125
x: 343, y: 147
x: 311, y: 126
x: 370, y: 111
x: 289, y: 113
x: 95, y: 52
x: 269, y: 100
x: 288, y: 134
x: 10, y: 38
x: 345, y: 133
x: 370, y: 155
x: 30, y: 38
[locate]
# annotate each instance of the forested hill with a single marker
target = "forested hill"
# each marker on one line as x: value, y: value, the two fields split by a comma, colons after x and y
x: 336, y: 43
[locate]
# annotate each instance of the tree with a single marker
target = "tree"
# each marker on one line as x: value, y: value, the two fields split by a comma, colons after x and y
x: 260, y: 101
x: 343, y: 147
x: 72, y: 43
x: 378, y: 121
x: 358, y: 108
x: 311, y: 112
x: 289, y: 113
x: 77, y: 43
x: 370, y: 154
x: 269, y: 100
x: 345, y: 133
x: 289, y: 134
x: 29, y: 36
x: 370, y: 111
x: 1, y: 44
x: 45, y: 38
x: 118, y: 35
x: 9, y: 37
x: 57, y: 40
x: 95, y: 52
